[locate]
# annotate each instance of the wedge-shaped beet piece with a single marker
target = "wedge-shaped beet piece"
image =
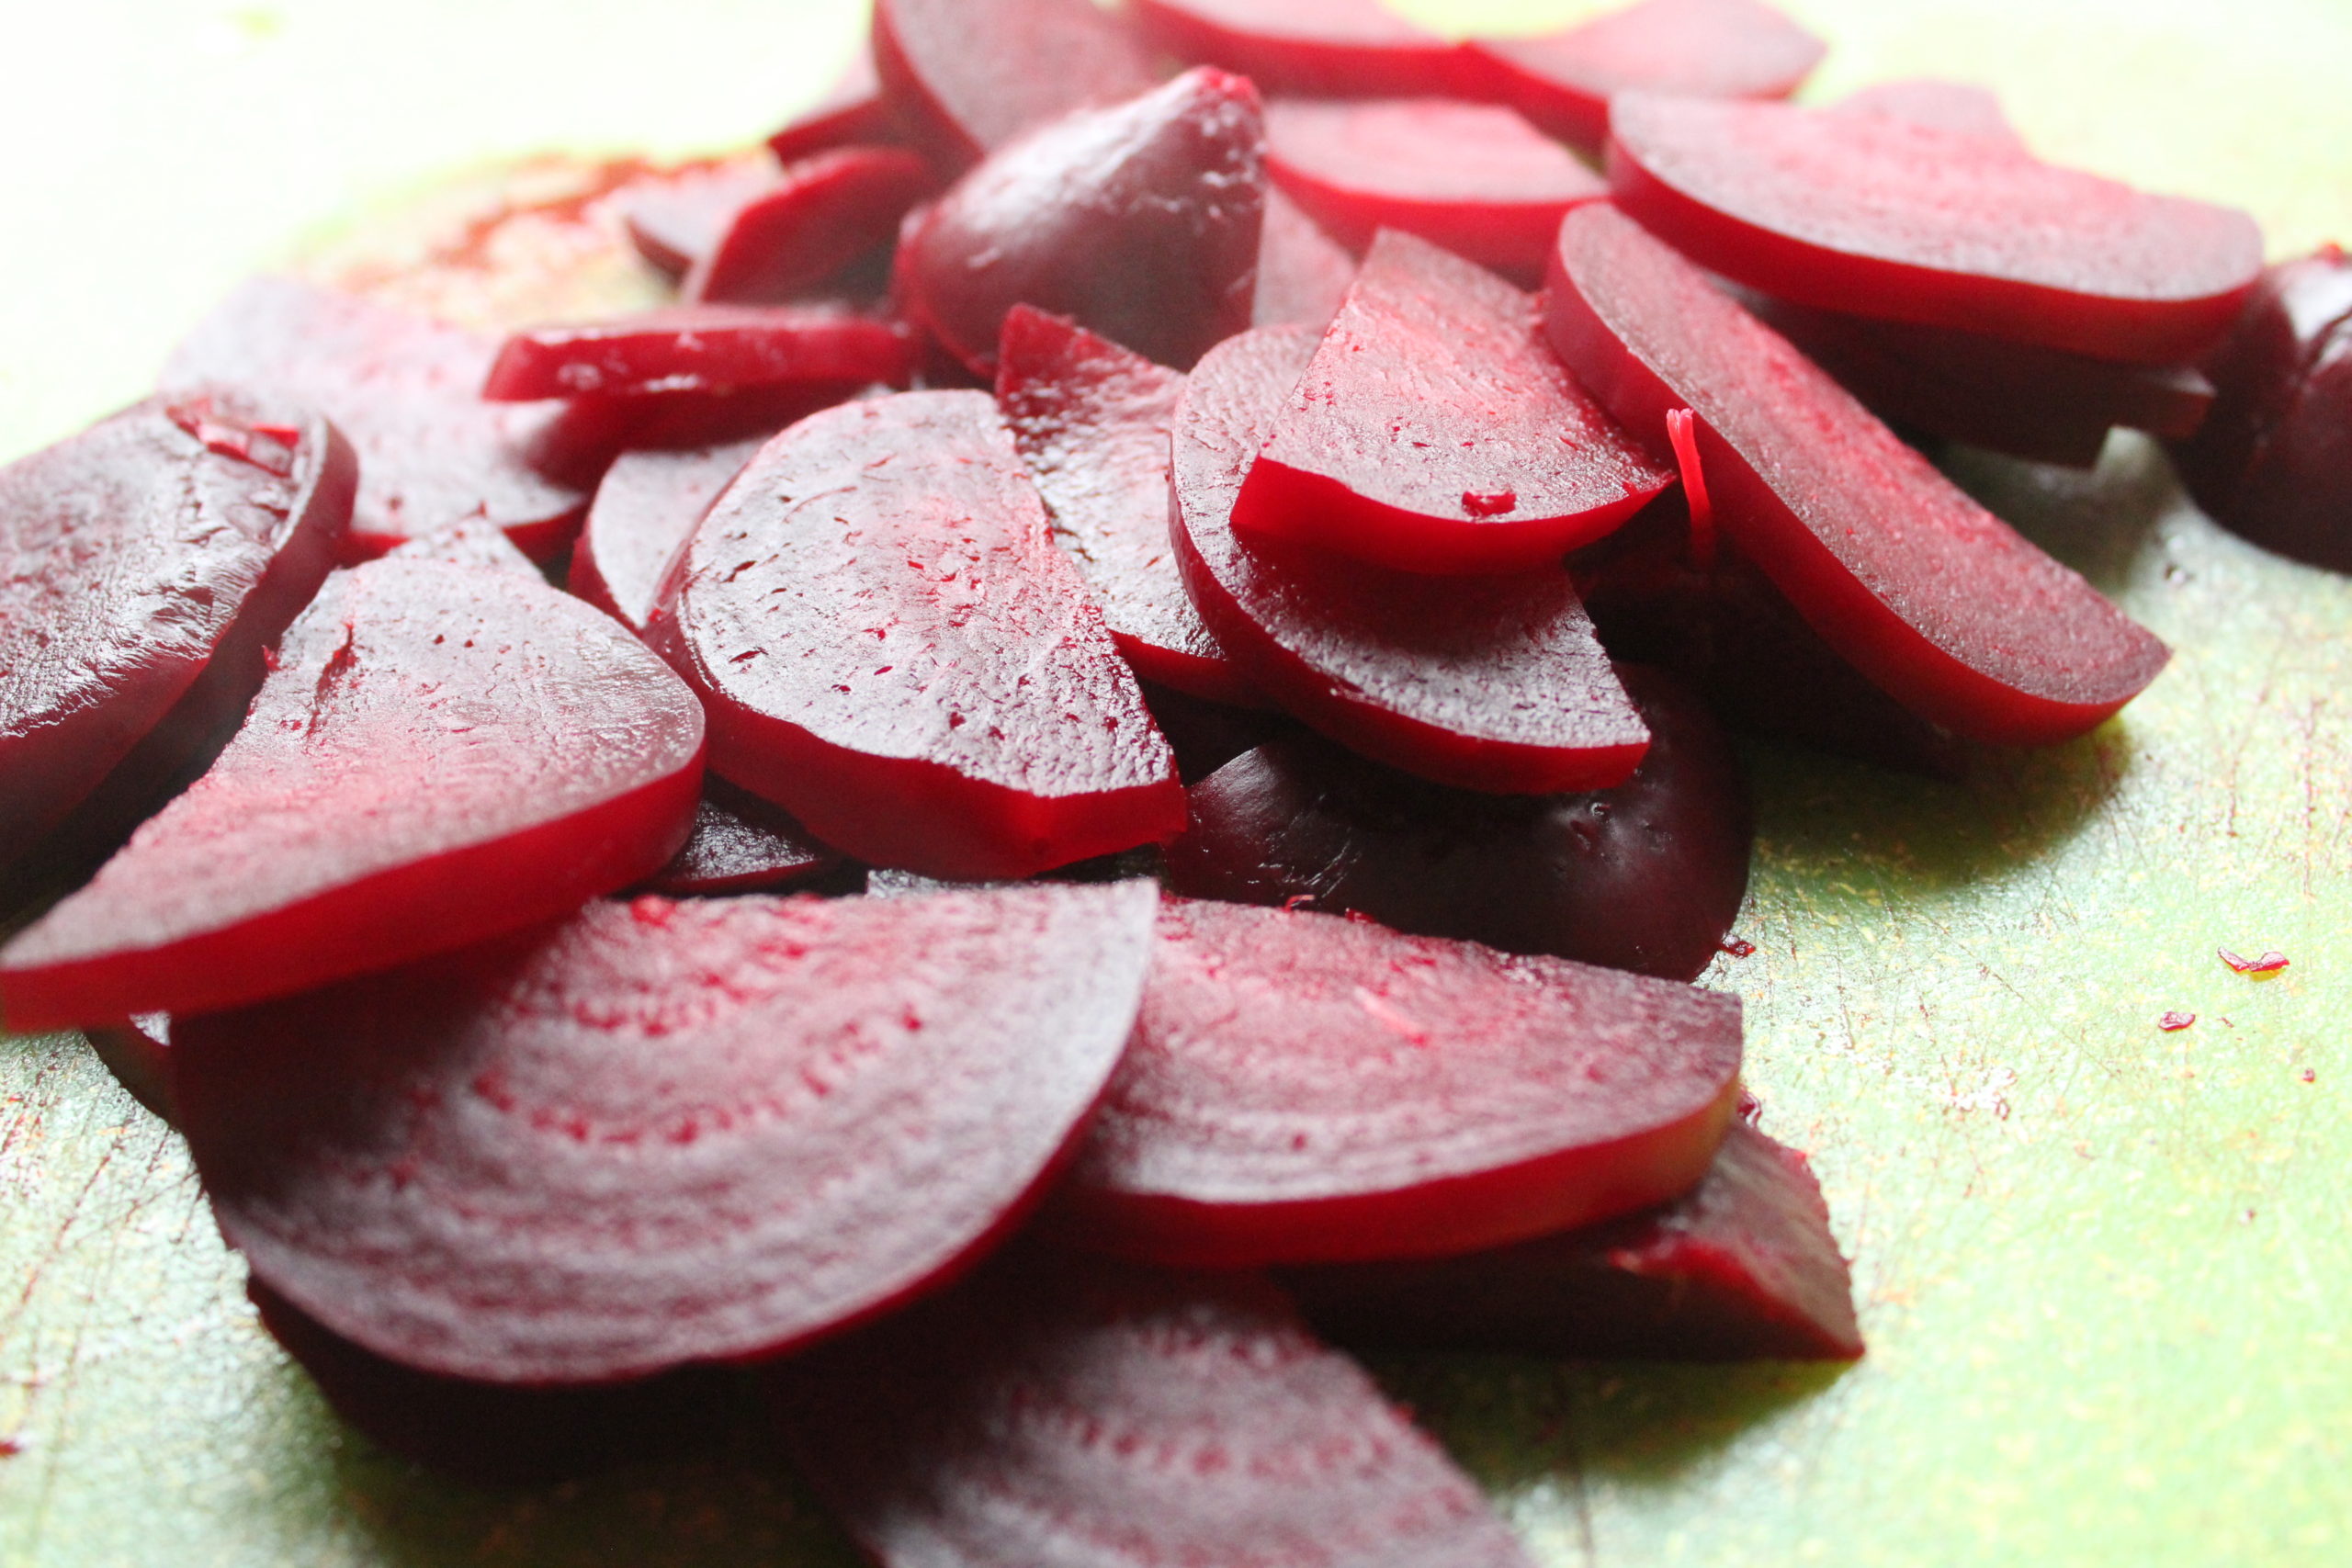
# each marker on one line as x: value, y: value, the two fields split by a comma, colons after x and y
x: 968, y: 76
x: 1485, y: 683
x: 662, y: 1133
x: 701, y: 348
x: 676, y: 219
x: 821, y: 215
x: 1318, y: 48
x: 854, y: 112
x: 1307, y: 1088
x: 741, y: 845
x: 1303, y: 272
x: 1435, y: 432
x: 1939, y: 601
x: 442, y: 754
x: 645, y: 511
x: 1930, y: 100
x: 1054, y: 1413
x: 1742, y: 1267
x: 893, y: 649
x: 1883, y: 217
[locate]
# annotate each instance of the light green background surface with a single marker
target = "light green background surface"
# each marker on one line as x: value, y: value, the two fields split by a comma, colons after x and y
x: 2103, y: 1268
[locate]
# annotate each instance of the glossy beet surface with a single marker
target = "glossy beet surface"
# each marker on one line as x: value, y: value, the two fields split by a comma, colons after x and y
x: 662, y: 1133
x: 892, y: 649
x: 441, y: 754
x: 1884, y: 216
x: 1492, y: 684
x: 854, y: 112
x: 1434, y: 431
x: 646, y: 509
x: 817, y: 217
x: 966, y: 76
x: 1317, y: 48
x: 1140, y: 221
x: 1933, y: 598
x: 676, y: 220
x: 1303, y: 272
x: 700, y: 348
x: 741, y: 845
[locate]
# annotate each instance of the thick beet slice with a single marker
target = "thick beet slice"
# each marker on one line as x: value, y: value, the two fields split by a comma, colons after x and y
x: 892, y: 649
x: 1303, y: 272
x: 676, y: 219
x: 1140, y: 221
x: 1434, y: 431
x: 701, y: 348
x: 441, y: 754
x: 2296, y: 497
x: 1316, y: 48
x: 854, y: 112
x: 1744, y: 1266
x: 645, y: 511
x: 1305, y: 1088
x: 1938, y: 601
x: 741, y: 845
x: 820, y: 215
x: 1056, y: 1412
x: 966, y: 76
x: 1485, y: 683
x: 1884, y: 216
x: 662, y: 1133
x: 1929, y: 100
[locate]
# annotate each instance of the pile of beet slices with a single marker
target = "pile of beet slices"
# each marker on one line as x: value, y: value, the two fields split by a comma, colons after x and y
x: 1111, y: 445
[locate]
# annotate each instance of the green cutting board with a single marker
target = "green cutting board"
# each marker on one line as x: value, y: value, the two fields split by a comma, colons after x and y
x: 2101, y: 1267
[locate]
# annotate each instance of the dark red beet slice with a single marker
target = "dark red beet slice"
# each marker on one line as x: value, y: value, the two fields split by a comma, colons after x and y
x: 819, y: 216
x: 1475, y: 178
x: 1303, y: 1088
x: 1435, y: 432
x: 1648, y: 876
x: 1317, y: 48
x: 1205, y: 736
x: 892, y: 649
x: 146, y: 565
x: 676, y: 219
x: 645, y: 512
x: 741, y: 845
x: 407, y: 392
x: 2296, y: 497
x: 1140, y: 221
x: 1883, y: 217
x: 1486, y: 683
x: 1302, y: 273
x: 138, y: 1053
x: 441, y: 755
x: 1928, y: 100
x: 853, y: 113
x: 701, y: 348
x: 1741, y: 1268
x: 662, y: 1133
x: 1061, y: 1414
x: 1938, y: 601
x: 968, y: 76
x: 474, y: 543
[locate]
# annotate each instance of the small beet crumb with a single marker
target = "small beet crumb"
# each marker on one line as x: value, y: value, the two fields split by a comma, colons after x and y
x: 1738, y: 947
x: 1751, y: 1106
x: 10, y: 1448
x: 1297, y: 901
x: 2269, y: 963
x: 1489, y: 502
x: 2173, y: 1022
x: 2309, y: 1076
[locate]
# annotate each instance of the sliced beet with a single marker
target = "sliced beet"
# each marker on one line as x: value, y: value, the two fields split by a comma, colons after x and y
x: 1306, y: 1088
x: 1140, y: 221
x: 441, y: 754
x: 2296, y: 497
x: 676, y: 219
x: 741, y: 845
x: 892, y: 649
x: 968, y: 76
x: 1303, y: 272
x: 1937, y: 601
x: 472, y: 543
x: 138, y: 1052
x: 700, y: 348
x: 1884, y: 216
x: 595, y: 432
x: 817, y: 217
x: 1483, y: 682
x: 1434, y: 431
x: 645, y: 512
x: 1929, y: 100
x: 1205, y: 735
x: 1742, y: 1267
x: 662, y: 1133
x: 854, y: 112
x: 1316, y: 48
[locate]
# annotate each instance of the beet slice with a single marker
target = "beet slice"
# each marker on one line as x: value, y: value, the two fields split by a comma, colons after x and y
x: 1929, y: 100
x: 819, y: 216
x: 442, y: 754
x: 138, y: 1052
x: 675, y: 220
x: 1888, y: 218
x: 1140, y: 221
x: 966, y: 76
x: 701, y: 348
x: 1938, y: 601
x: 146, y: 566
x: 1315, y: 48
x: 1303, y: 1088
x: 662, y: 1133
x: 1056, y: 1412
x: 473, y: 543
x: 892, y: 649
x: 1303, y: 272
x: 1207, y: 735
x: 854, y: 112
x: 645, y: 512
x: 407, y: 392
x: 1475, y: 178
x: 2296, y: 497
x: 1485, y: 683
x: 1434, y: 431
x: 1742, y: 1267
x: 741, y: 845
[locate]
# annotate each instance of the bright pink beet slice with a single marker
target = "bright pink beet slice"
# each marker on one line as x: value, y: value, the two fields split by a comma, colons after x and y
x: 853, y: 113
x: 701, y: 348
x: 1435, y: 431
x: 968, y: 76
x: 1303, y: 272
x: 1485, y: 683
x: 741, y: 845
x: 1316, y: 48
x: 1930, y: 100
x: 1878, y: 216
x: 675, y: 220
x: 1306, y: 1088
x: 1941, y: 603
x: 662, y: 1133
x: 892, y: 649
x: 819, y: 216
x: 441, y: 754
x: 645, y: 512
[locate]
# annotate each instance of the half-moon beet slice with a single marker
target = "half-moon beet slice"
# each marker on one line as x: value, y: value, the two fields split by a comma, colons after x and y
x: 1306, y: 1088
x: 966, y: 76
x: 645, y: 511
x: 1486, y: 683
x: 741, y: 845
x: 1314, y: 48
x: 674, y: 219
x: 443, y: 753
x: 1943, y: 606
x: 662, y: 1133
x: 892, y: 649
x: 819, y: 216
x: 1880, y: 216
x: 853, y: 113
x: 701, y: 348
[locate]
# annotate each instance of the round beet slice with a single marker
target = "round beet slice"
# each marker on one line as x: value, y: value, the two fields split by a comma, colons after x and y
x: 966, y: 76
x: 1315, y: 48
x: 1307, y: 1088
x: 700, y: 348
x: 817, y: 216
x: 646, y: 509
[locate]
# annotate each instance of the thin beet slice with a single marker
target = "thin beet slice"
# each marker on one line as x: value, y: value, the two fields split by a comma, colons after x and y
x: 441, y: 754
x: 1315, y: 48
x: 662, y: 1133
x: 817, y: 217
x: 1303, y: 272
x: 1878, y: 216
x: 645, y: 511
x: 1937, y: 601
x: 968, y: 76
x: 1056, y: 1412
x: 1140, y: 221
x: 1475, y: 178
x: 854, y: 112
x: 1485, y: 683
x: 701, y: 348
x: 892, y: 649
x: 1930, y: 100
x: 1303, y: 1088
x: 741, y: 845
x: 1435, y: 431
x: 675, y: 220
x: 1743, y: 1266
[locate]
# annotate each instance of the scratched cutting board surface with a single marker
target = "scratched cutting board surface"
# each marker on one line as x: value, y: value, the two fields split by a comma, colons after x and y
x: 2102, y: 1268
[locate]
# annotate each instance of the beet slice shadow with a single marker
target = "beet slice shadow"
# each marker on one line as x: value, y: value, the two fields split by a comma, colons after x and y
x: 1313, y: 48
x: 646, y: 509
x: 966, y: 76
